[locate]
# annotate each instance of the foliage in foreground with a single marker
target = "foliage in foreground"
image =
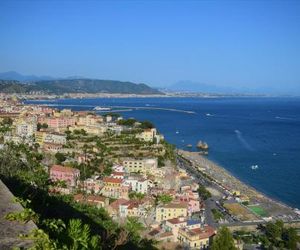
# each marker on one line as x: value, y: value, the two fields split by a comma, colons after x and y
x: 62, y: 223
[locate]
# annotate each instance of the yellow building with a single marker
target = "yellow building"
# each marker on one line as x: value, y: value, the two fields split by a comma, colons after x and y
x: 42, y: 137
x: 171, y: 210
x: 146, y: 165
x: 196, y: 238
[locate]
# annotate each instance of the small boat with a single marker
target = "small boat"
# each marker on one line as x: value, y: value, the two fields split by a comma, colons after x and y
x: 98, y: 108
x: 189, y: 146
x: 208, y: 114
x: 253, y: 167
x: 177, y: 132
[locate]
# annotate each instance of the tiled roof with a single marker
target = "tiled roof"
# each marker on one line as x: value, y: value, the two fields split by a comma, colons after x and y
x: 89, y: 198
x: 203, y: 233
x: 112, y: 180
x: 176, y: 220
x: 117, y: 203
x: 176, y: 205
x: 61, y: 168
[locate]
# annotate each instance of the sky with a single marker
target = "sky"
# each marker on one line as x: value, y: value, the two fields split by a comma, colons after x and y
x: 240, y: 44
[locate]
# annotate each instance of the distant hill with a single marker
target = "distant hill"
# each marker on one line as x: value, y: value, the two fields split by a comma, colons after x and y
x: 76, y: 86
x: 190, y: 86
x: 13, y: 75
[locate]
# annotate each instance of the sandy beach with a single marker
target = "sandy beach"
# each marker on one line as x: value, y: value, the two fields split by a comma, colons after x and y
x: 225, y: 179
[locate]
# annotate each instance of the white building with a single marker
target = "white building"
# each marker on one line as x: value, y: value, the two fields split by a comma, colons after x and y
x: 138, y: 184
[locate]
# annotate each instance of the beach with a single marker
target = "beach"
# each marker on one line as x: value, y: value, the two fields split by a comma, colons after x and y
x: 230, y: 184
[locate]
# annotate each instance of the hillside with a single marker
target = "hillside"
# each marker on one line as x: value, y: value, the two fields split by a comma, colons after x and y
x: 77, y: 86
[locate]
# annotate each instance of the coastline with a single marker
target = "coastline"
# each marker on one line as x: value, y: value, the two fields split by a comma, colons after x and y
x: 231, y: 183
x: 257, y: 197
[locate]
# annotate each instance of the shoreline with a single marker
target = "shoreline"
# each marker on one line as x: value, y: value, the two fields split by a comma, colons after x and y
x: 231, y: 183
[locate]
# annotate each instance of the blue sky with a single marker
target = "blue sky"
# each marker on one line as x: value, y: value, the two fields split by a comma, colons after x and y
x: 228, y: 43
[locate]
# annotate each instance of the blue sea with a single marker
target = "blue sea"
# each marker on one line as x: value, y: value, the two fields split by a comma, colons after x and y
x: 241, y: 132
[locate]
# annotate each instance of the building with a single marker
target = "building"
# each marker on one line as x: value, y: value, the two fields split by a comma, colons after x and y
x: 42, y: 137
x: 52, y: 147
x: 91, y: 185
x: 138, y: 184
x: 140, y: 165
x: 26, y: 127
x: 173, y: 225
x: 150, y: 135
x: 95, y: 200
x: 171, y: 210
x: 67, y: 174
x: 60, y: 122
x: 115, y: 188
x: 196, y: 238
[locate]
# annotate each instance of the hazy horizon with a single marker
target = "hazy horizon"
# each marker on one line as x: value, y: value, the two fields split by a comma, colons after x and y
x: 239, y: 45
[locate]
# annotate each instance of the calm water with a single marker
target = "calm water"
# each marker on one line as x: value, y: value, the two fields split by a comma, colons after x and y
x: 241, y: 132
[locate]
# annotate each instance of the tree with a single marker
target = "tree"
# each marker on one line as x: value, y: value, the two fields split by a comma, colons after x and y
x: 60, y: 157
x: 223, y: 240
x: 203, y: 192
x: 146, y: 125
x: 164, y: 198
x: 7, y: 121
x: 136, y: 195
x: 291, y: 238
x: 134, y: 228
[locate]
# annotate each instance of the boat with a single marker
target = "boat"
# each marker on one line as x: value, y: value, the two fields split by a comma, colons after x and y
x: 98, y: 108
x: 253, y: 167
x: 189, y: 146
x: 202, y: 145
x: 177, y: 132
x: 208, y: 114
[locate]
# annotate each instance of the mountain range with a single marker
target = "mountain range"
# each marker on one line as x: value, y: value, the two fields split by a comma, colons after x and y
x: 13, y: 82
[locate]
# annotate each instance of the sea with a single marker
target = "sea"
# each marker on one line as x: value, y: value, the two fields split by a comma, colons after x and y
x: 256, y: 139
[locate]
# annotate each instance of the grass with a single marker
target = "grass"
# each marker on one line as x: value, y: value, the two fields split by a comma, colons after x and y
x: 239, y: 211
x: 258, y: 210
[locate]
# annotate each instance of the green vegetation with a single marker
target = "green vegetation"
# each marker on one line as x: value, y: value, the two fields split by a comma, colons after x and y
x: 276, y: 235
x: 163, y: 199
x: 60, y: 157
x: 62, y: 223
x: 146, y: 125
x: 203, y: 192
x: 136, y: 195
x: 127, y: 122
x: 76, y: 86
x: 40, y: 126
x: 271, y: 236
x: 258, y: 210
x: 223, y: 240
x: 217, y: 214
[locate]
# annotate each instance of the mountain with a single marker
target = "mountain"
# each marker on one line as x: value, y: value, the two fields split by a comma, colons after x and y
x: 190, y: 86
x: 76, y: 86
x: 13, y: 75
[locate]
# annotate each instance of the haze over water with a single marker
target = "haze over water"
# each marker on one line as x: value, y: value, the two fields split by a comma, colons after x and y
x: 241, y: 132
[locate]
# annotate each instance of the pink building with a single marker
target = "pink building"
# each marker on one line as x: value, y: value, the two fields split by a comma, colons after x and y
x: 67, y: 174
x: 60, y: 122
x: 192, y: 200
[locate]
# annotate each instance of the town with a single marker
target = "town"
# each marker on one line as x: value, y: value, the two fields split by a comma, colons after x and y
x: 126, y: 167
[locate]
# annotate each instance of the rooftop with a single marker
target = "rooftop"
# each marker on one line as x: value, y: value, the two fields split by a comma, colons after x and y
x: 61, y: 168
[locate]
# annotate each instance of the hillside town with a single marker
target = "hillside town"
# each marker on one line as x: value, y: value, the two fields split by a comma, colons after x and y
x: 125, y: 167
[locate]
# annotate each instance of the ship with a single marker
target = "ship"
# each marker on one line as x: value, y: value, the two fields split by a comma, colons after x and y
x: 98, y: 108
